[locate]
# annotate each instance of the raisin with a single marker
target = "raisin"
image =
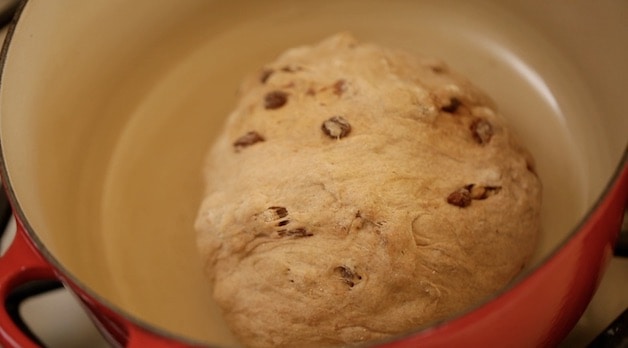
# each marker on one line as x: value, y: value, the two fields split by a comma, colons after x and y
x: 345, y: 271
x: 438, y: 69
x: 348, y: 276
x: 280, y: 212
x: 336, y: 127
x: 460, y: 198
x: 248, y: 139
x: 296, y: 232
x: 291, y: 69
x: 481, y: 130
x: 275, y: 100
x: 453, y: 105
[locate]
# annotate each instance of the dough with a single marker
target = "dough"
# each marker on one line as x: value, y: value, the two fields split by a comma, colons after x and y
x: 359, y: 192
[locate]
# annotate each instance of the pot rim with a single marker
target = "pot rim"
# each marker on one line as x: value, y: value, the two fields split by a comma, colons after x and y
x: 67, y: 276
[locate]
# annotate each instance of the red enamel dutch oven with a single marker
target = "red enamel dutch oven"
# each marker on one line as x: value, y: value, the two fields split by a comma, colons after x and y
x: 107, y: 108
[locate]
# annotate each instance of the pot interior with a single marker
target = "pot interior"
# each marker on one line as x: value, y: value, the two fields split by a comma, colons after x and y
x: 108, y: 108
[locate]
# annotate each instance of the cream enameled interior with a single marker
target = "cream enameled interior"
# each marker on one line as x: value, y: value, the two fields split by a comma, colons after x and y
x: 108, y: 107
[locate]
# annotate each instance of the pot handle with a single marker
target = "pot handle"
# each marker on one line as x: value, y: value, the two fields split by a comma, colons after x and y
x: 19, y: 265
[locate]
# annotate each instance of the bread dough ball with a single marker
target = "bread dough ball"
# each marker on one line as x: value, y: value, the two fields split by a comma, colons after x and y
x: 359, y: 192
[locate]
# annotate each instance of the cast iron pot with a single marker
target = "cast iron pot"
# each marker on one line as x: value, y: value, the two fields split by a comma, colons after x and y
x: 108, y: 107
